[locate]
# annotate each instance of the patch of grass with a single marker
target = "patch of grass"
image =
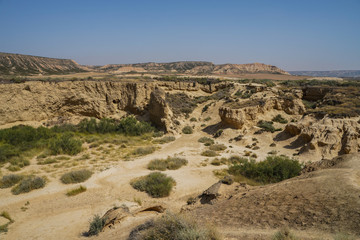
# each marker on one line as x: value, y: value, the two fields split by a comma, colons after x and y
x: 207, y: 141
x: 207, y: 119
x: 155, y: 184
x: 4, y: 227
x: 10, y: 180
x: 28, y: 184
x: 165, y: 139
x: 47, y: 161
x: 76, y: 191
x: 143, y: 151
x: 218, y: 162
x: 217, y: 147
x: 284, y: 234
x: 173, y: 226
x: 278, y: 118
x: 187, y: 130
x: 96, y: 226
x: 209, y: 153
x: 171, y: 163
x: 76, y: 176
x: 266, y: 126
x: 65, y: 144
x: 273, y: 169
x: 158, y: 134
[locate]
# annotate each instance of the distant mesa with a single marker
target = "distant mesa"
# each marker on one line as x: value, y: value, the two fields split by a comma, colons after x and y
x: 338, y: 73
x: 28, y: 65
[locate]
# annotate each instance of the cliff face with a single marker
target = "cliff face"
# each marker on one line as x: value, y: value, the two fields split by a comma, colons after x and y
x: 26, y: 64
x: 36, y: 101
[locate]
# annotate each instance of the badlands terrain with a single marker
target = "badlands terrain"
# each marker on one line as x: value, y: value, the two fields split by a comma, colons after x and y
x: 252, y: 152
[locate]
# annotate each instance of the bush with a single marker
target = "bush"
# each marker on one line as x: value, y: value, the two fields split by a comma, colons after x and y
x: 207, y: 141
x: 155, y: 184
x: 76, y: 176
x: 187, y: 130
x: 273, y: 169
x: 218, y: 147
x: 209, y: 153
x: 28, y: 184
x: 158, y: 134
x: 207, y: 119
x: 173, y: 226
x: 266, y: 126
x: 193, y: 119
x: 278, y: 118
x: 10, y: 180
x: 96, y: 226
x: 165, y: 139
x: 76, y: 191
x: 65, y: 144
x: 143, y: 151
x: 171, y: 163
x: 8, y: 151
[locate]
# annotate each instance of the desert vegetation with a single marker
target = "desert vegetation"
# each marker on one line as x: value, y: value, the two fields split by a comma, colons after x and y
x: 28, y: 184
x: 170, y: 163
x: 173, y: 226
x: 155, y: 184
x: 76, y: 176
x: 76, y: 191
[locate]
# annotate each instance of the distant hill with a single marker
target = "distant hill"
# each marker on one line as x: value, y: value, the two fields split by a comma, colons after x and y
x: 194, y: 67
x: 26, y: 64
x: 338, y: 73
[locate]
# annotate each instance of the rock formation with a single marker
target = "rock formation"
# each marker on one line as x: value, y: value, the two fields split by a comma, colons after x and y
x: 159, y: 112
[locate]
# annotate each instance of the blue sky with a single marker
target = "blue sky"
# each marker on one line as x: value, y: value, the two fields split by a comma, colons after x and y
x: 291, y: 34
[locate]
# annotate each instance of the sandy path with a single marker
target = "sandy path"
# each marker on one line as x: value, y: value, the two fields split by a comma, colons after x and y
x: 52, y: 215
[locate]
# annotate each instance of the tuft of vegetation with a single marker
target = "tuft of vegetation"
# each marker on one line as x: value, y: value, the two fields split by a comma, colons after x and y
x: 76, y: 191
x: 10, y: 180
x: 96, y: 226
x: 187, y: 130
x: 155, y: 184
x: 217, y: 147
x: 76, y: 176
x: 207, y: 141
x: 284, y: 234
x: 165, y: 139
x: 278, y: 118
x: 171, y: 163
x: 143, y: 151
x: 266, y: 126
x: 209, y: 153
x: 65, y: 144
x: 180, y: 103
x: 273, y: 169
x: 4, y: 227
x: 218, y: 133
x: 28, y: 184
x: 173, y: 226
x: 193, y: 119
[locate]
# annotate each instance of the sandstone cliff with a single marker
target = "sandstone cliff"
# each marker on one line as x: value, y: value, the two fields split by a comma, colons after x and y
x: 36, y: 101
x: 327, y: 137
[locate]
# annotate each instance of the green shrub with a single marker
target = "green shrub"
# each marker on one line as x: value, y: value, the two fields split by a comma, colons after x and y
x: 266, y: 126
x: 47, y: 161
x: 76, y: 176
x: 207, y: 119
x: 207, y: 141
x: 171, y: 163
x: 65, y: 144
x: 187, y: 130
x: 217, y: 147
x: 132, y: 127
x: 19, y: 161
x: 165, y: 139
x: 155, y: 184
x: 8, y: 151
x: 278, y: 118
x: 209, y: 153
x: 76, y: 191
x: 193, y: 119
x: 28, y: 184
x: 143, y: 150
x: 96, y: 225
x: 218, y: 133
x: 173, y: 226
x: 218, y: 162
x: 158, y: 134
x: 10, y: 180
x: 273, y: 169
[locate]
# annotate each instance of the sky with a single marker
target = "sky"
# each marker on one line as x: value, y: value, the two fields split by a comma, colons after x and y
x: 290, y: 34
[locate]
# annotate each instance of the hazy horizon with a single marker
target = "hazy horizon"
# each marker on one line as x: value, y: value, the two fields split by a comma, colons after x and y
x: 294, y: 36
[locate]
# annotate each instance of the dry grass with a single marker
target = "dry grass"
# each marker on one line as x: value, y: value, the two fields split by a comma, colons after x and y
x: 76, y: 191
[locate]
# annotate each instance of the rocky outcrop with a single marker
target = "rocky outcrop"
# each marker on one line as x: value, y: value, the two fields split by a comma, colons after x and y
x: 249, y: 112
x: 159, y: 112
x: 327, y: 137
x: 36, y: 101
x: 26, y: 64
